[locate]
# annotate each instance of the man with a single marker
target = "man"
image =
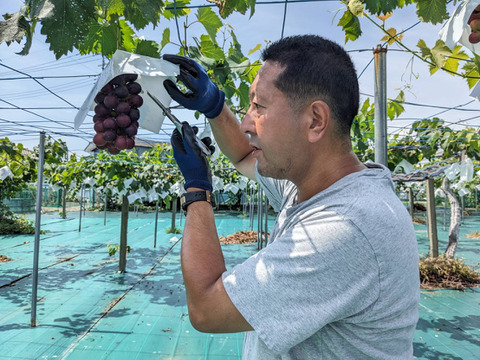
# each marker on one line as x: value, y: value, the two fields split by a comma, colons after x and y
x: 339, y: 278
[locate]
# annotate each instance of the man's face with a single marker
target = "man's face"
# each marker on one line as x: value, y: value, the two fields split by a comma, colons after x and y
x: 272, y: 126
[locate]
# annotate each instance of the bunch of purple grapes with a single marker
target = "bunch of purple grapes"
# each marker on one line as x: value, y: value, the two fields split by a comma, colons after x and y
x: 116, y: 113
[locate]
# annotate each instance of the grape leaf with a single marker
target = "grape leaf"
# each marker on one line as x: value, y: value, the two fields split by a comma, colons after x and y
x: 350, y: 25
x: 433, y: 11
x: 128, y: 34
x: 356, y: 7
x: 210, y: 21
x: 142, y: 13
x: 101, y: 38
x: 165, y: 38
x: 148, y: 48
x: 472, y: 73
x: 40, y: 8
x: 392, y: 36
x: 13, y: 28
x: 209, y: 49
x: 181, y: 10
x: 256, y: 48
x: 68, y: 25
x: 227, y: 7
x: 380, y: 6
x: 452, y: 62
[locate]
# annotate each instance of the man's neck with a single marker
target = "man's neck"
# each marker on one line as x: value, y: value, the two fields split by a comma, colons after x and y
x: 328, y: 172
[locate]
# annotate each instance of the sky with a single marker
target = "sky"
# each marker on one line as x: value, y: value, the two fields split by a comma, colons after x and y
x: 27, y: 107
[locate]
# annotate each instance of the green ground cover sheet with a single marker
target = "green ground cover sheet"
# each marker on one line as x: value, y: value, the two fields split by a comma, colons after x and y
x: 87, y: 310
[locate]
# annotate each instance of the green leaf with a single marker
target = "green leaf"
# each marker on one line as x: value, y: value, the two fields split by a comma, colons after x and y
x: 256, y: 48
x: 210, y: 21
x: 472, y: 72
x: 350, y: 25
x: 439, y: 53
x: 128, y: 35
x: 165, y: 38
x: 243, y: 94
x: 433, y: 11
x: 380, y: 6
x: 148, y: 48
x: 141, y: 13
x: 68, y: 25
x: 209, y: 49
x: 452, y: 62
x: 181, y: 10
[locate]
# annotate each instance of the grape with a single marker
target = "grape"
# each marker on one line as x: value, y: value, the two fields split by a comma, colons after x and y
x: 112, y: 149
x: 110, y: 101
x: 474, y: 38
x: 98, y: 118
x: 130, y: 143
x: 134, y: 114
x: 123, y: 120
x: 123, y: 108
x: 135, y: 101
x: 121, y: 142
x: 130, y: 77
x: 98, y: 127
x: 109, y: 135
x: 134, y: 88
x: 107, y: 89
x: 131, y: 130
x: 475, y: 25
x: 121, y: 91
x: 109, y: 123
x: 99, y: 139
x: 99, y: 97
x: 118, y: 80
x: 116, y: 113
x: 101, y: 110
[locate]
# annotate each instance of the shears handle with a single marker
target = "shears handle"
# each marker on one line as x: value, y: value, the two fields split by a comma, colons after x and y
x: 178, y: 124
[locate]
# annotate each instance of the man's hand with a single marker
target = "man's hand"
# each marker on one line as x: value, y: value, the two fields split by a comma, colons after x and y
x: 202, y: 95
x: 190, y: 159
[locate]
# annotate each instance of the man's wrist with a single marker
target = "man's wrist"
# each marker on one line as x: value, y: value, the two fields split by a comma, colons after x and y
x: 192, y: 196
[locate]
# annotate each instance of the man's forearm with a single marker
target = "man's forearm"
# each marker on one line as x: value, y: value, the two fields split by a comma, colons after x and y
x: 232, y: 141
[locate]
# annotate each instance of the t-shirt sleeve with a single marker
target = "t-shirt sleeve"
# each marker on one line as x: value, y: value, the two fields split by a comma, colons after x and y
x: 320, y: 270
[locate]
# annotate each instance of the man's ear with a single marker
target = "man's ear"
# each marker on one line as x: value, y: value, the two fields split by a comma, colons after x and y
x: 319, y: 120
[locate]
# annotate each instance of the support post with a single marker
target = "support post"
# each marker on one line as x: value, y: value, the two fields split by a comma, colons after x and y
x: 156, y: 225
x: 64, y: 202
x: 81, y: 207
x: 432, y: 218
x: 380, y: 105
x: 123, y: 236
x: 411, y: 203
x: 38, y: 214
x: 105, y: 210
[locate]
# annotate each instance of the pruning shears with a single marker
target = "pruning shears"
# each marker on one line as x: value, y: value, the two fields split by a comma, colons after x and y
x: 178, y: 124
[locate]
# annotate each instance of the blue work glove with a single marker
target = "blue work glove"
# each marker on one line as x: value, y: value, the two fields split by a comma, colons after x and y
x: 202, y: 95
x: 192, y: 162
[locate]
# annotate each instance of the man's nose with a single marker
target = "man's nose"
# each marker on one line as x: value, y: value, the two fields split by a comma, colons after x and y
x: 247, y: 125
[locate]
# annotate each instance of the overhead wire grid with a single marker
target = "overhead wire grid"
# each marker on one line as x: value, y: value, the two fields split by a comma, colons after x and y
x: 61, y: 127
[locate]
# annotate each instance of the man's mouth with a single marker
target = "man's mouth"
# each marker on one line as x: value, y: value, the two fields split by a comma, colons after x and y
x: 255, y: 150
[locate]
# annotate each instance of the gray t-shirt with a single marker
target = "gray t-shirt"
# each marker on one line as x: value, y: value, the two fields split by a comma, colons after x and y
x: 339, y: 278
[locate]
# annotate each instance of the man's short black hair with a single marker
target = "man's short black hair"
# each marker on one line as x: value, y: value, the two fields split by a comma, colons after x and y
x: 317, y: 69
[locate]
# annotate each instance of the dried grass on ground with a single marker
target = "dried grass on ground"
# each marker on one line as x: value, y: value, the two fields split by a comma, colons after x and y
x: 474, y: 235
x: 241, y: 237
x: 444, y: 273
x: 4, y: 258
